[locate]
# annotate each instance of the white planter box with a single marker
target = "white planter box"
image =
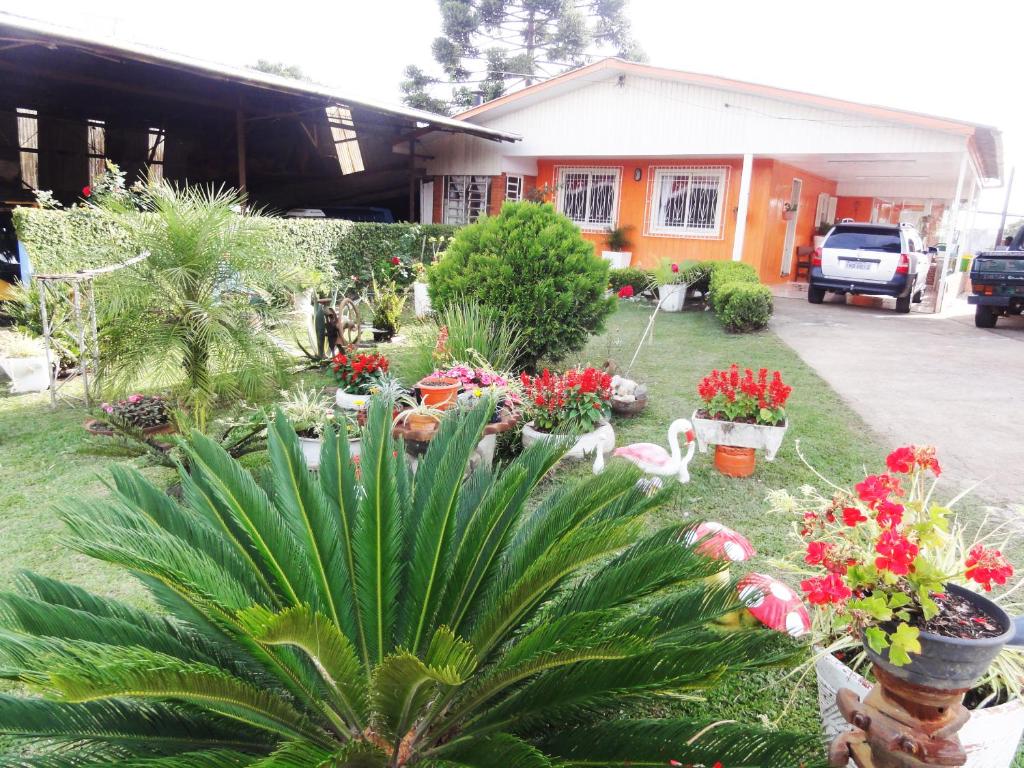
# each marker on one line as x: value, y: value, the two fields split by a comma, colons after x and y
x: 597, y: 443
x: 737, y: 435
x: 990, y: 737
x: 349, y: 402
x: 672, y: 296
x: 27, y: 374
x: 617, y: 259
x: 421, y: 299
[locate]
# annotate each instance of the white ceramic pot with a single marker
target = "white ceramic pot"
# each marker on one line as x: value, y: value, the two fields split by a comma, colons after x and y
x: 27, y: 374
x: 355, y: 447
x: 672, y: 297
x: 421, y: 299
x: 597, y: 443
x: 617, y: 259
x: 732, y: 433
x: 311, y: 451
x: 990, y: 737
x: 350, y: 402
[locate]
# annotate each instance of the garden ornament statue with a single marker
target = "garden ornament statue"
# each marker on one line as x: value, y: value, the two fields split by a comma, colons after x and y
x: 655, y: 460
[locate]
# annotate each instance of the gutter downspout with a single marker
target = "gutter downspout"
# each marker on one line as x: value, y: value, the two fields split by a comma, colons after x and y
x: 743, y: 207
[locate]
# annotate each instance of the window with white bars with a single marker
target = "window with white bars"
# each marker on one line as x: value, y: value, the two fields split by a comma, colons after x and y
x: 687, y: 202
x: 514, y: 188
x: 155, y: 153
x: 28, y: 144
x: 97, y: 150
x: 465, y: 198
x: 589, y: 196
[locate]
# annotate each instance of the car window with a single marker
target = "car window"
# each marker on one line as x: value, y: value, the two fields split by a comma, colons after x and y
x: 865, y: 239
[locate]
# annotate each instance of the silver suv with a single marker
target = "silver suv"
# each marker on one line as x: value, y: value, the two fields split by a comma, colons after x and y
x: 871, y: 259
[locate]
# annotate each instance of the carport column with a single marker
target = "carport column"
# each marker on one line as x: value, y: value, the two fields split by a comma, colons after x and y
x: 744, y: 204
x: 952, y: 227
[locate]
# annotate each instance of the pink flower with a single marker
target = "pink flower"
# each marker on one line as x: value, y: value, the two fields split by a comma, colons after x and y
x: 675, y: 267
x: 134, y: 399
x: 107, y: 408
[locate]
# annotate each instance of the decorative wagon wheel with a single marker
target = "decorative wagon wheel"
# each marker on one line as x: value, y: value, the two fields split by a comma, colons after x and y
x: 348, y: 322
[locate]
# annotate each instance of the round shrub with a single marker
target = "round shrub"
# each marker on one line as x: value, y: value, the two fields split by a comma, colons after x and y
x: 639, y: 279
x: 743, y: 307
x: 729, y: 272
x: 532, y: 266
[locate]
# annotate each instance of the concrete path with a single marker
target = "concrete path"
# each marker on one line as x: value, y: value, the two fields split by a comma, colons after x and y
x: 924, y: 379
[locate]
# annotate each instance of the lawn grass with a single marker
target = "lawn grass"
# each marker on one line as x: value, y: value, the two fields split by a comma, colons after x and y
x: 46, y: 458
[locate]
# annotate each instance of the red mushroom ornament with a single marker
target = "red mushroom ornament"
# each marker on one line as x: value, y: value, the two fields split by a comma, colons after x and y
x: 720, y: 542
x: 774, y: 604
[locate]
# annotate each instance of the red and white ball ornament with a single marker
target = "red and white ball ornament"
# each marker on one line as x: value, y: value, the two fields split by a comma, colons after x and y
x: 774, y: 604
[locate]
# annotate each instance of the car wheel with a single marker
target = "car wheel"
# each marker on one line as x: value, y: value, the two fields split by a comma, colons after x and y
x: 903, y: 304
x: 984, y: 317
x: 815, y: 295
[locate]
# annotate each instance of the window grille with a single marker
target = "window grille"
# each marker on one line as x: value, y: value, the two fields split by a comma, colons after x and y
x: 28, y: 143
x: 155, y: 153
x: 514, y: 188
x: 465, y: 198
x: 97, y: 150
x: 687, y: 202
x: 589, y: 196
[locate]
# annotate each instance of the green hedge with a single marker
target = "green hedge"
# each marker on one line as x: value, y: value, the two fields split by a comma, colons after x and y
x: 744, y: 307
x: 79, y: 238
x: 723, y: 272
x: 640, y: 279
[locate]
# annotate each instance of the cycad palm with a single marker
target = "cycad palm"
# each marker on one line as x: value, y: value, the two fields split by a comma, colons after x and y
x: 184, y: 315
x: 380, y: 620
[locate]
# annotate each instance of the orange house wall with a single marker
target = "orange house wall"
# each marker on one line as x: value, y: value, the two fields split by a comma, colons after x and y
x: 648, y: 251
x: 856, y: 208
x: 773, y: 237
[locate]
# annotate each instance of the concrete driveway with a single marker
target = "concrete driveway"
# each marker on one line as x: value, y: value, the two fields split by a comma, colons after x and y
x: 925, y: 379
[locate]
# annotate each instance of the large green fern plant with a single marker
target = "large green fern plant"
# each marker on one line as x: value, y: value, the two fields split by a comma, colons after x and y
x: 365, y: 617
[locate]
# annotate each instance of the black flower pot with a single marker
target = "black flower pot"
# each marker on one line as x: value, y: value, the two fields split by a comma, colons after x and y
x: 951, y: 663
x: 382, y: 336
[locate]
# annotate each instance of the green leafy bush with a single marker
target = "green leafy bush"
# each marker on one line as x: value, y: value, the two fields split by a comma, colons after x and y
x: 729, y: 272
x: 80, y: 238
x: 532, y: 265
x: 639, y: 279
x: 743, y: 307
x: 397, y: 620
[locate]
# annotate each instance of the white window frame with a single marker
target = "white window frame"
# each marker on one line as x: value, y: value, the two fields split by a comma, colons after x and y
x: 589, y: 225
x: 467, y: 215
x: 655, y: 176
x: 96, y: 149
x: 514, y: 188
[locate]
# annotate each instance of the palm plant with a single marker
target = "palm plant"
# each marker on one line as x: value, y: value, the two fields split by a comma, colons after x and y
x: 387, y: 621
x: 193, y: 314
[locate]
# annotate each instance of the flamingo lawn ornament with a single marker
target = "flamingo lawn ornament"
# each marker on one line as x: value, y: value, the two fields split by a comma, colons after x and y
x: 655, y: 460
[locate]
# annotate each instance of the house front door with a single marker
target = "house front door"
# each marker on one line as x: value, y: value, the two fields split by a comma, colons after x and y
x: 790, y: 242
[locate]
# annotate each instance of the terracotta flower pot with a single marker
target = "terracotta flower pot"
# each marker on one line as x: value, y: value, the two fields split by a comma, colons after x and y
x: 439, y: 392
x: 735, y: 462
x: 421, y: 422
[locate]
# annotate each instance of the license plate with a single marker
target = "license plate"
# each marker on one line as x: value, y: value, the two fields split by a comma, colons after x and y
x: 865, y: 265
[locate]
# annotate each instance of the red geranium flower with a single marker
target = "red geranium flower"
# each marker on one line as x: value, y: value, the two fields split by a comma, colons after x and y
x: 896, y: 552
x: 889, y: 513
x: 395, y: 260
x: 625, y: 291
x: 822, y: 590
x: 675, y: 267
x: 86, y: 191
x: 987, y: 565
x: 852, y: 516
x: 817, y: 552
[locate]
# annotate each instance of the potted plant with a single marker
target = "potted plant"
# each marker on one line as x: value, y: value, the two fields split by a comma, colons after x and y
x: 821, y: 233
x: 419, y: 419
x: 671, y: 279
x: 789, y: 211
x: 629, y: 397
x: 896, y: 580
x: 439, y: 391
x: 23, y: 361
x: 137, y: 412
x: 618, y: 241
x: 310, y: 413
x: 388, y: 303
x: 357, y: 374
x: 574, y: 404
x: 741, y: 413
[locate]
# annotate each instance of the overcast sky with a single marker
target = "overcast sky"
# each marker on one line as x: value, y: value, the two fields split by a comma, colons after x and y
x: 956, y: 59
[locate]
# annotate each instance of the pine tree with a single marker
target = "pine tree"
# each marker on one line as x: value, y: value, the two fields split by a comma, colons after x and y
x: 489, y: 47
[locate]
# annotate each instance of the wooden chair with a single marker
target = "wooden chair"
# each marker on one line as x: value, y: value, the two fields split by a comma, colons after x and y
x: 803, y: 260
